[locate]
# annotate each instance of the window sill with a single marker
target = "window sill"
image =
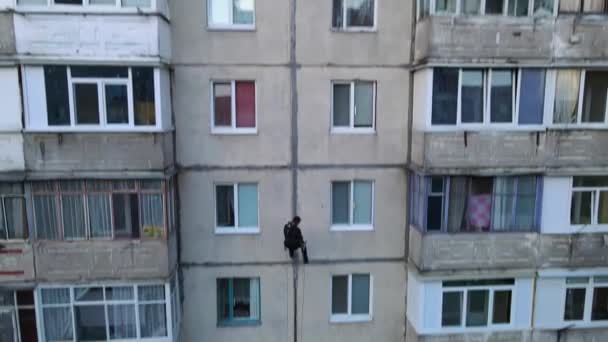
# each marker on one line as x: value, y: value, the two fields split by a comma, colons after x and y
x: 363, y: 131
x: 353, y: 228
x: 461, y: 330
x: 495, y: 127
x: 88, y: 9
x: 231, y: 28
x: 236, y: 323
x: 355, y: 30
x: 237, y: 231
x: 230, y: 131
x: 345, y: 319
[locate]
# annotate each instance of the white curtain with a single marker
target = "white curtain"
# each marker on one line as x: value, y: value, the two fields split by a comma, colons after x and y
x: 100, y: 219
x: 46, y: 217
x: 566, y: 96
x: 502, y: 206
x: 457, y: 206
x: 152, y: 212
x: 152, y: 316
x: 58, y: 318
x: 73, y: 216
x: 122, y: 321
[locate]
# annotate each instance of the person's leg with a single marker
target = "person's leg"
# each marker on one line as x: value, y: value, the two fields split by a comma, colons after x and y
x: 291, y: 250
x: 305, y: 253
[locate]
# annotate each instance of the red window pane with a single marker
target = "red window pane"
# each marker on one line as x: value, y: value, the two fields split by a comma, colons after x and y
x: 222, y: 104
x: 245, y: 104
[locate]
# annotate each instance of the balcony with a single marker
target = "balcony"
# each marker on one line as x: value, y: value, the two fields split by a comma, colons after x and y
x: 88, y: 153
x: 489, y: 151
x: 16, y: 262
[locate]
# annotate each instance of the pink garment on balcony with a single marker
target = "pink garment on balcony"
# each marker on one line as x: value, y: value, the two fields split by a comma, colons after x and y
x: 480, y: 209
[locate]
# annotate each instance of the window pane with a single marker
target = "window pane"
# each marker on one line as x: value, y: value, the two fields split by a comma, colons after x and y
x: 27, y: 324
x: 55, y: 296
x: 543, y: 8
x: 472, y: 96
x: 482, y: 282
x: 32, y: 2
x: 494, y: 6
x: 362, y: 206
x: 126, y: 215
x: 337, y: 14
x: 364, y: 104
x: 580, y: 212
x: 457, y: 204
x: 590, y: 181
x: 121, y: 321
x: 224, y: 202
x: 360, y: 13
x: 222, y: 104
x: 575, y: 304
x: 99, y: 71
x: 68, y: 2
x: 152, y: 215
x: 86, y: 103
x: 525, y: 208
x: 531, y: 104
x: 341, y: 105
x: 117, y: 107
x: 594, y: 6
x: 451, y: 309
x: 100, y: 219
x: 136, y: 3
x: 57, y: 323
x: 570, y: 6
x: 15, y: 217
x: 90, y: 323
x: 602, y: 211
x: 46, y: 217
x: 73, y: 216
x: 504, y: 193
x: 339, y: 295
x: 434, y: 212
x: 248, y: 205
x: 219, y: 11
x: 152, y: 320
x: 594, y: 98
x: 445, y: 6
x: 477, y: 308
x: 340, y: 202
x: 501, y: 107
x: 518, y: 8
x: 120, y: 293
x: 241, y: 307
x: 143, y: 96
x: 223, y: 300
x: 150, y: 292
x: 360, y: 293
x: 470, y: 6
x: 445, y: 96
x: 57, y: 99
x: 254, y: 298
x: 566, y: 96
x: 502, y: 307
x: 102, y: 2
x: 480, y: 203
x: 599, y: 311
x: 244, y: 11
x: 87, y: 294
x: 245, y: 104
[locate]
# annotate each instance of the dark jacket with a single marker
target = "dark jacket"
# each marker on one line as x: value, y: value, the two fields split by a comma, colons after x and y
x: 293, y: 236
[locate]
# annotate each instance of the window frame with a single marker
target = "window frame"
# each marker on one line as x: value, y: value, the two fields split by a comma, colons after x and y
x: 86, y: 4
x: 351, y: 129
x: 233, y: 129
x: 349, y: 317
x: 351, y: 226
x: 346, y: 28
x: 211, y: 26
x: 40, y: 306
x: 580, y: 105
x: 235, y: 230
x: 589, y: 287
x: 482, y: 9
x: 595, y: 203
x: 464, y: 290
x: 581, y: 10
x: 232, y: 321
x: 3, y: 215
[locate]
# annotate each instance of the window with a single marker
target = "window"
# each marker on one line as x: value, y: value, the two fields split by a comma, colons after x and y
x: 88, y: 3
x: 351, y: 298
x: 487, y: 96
x: 238, y: 301
x: 586, y: 299
x: 234, y: 107
x: 353, y: 14
x: 13, y: 222
x: 477, y: 303
x: 104, y: 313
x: 353, y: 106
x: 517, y: 8
x: 580, y: 97
x: 100, y: 96
x: 236, y: 208
x: 97, y: 209
x: 17, y: 316
x: 475, y: 204
x: 589, y: 200
x: 352, y: 205
x: 584, y: 6
x: 226, y: 14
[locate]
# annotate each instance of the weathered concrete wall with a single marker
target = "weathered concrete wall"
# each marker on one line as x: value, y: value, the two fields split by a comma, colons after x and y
x: 318, y: 145
x: 11, y: 153
x: 16, y: 262
x: 195, y: 43
x: 470, y: 251
x: 72, y: 153
x: 478, y: 39
x: 474, y: 152
x: 319, y: 44
x: 101, y: 260
x: 7, y: 34
x: 94, y: 37
x: 198, y: 146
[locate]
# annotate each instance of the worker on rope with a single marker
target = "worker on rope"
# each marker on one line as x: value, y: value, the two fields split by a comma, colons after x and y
x: 294, y: 238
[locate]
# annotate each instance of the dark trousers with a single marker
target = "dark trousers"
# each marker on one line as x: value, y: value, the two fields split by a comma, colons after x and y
x: 292, y: 250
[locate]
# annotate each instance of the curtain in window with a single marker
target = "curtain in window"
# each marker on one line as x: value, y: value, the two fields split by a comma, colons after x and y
x: 245, y: 104
x: 57, y: 320
x: 100, y: 219
x: 152, y: 214
x: 248, y: 205
x: 362, y: 202
x: 46, y: 217
x: 15, y: 217
x: 224, y: 203
x: 223, y: 300
x: 340, y: 203
x: 543, y: 8
x: 360, y: 293
x: 243, y: 11
x: 337, y: 18
x: 594, y: 6
x: 220, y: 11
x: 135, y: 3
x: 570, y: 5
x: 525, y: 210
x: 457, y: 206
x: 121, y: 321
x: 152, y: 316
x: 504, y: 192
x: 566, y: 96
x: 364, y: 104
x: 241, y: 291
x: 73, y: 217
x: 470, y: 6
x: 445, y: 6
x: 360, y: 13
x: 341, y: 105
x: 518, y: 8
x: 254, y: 299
